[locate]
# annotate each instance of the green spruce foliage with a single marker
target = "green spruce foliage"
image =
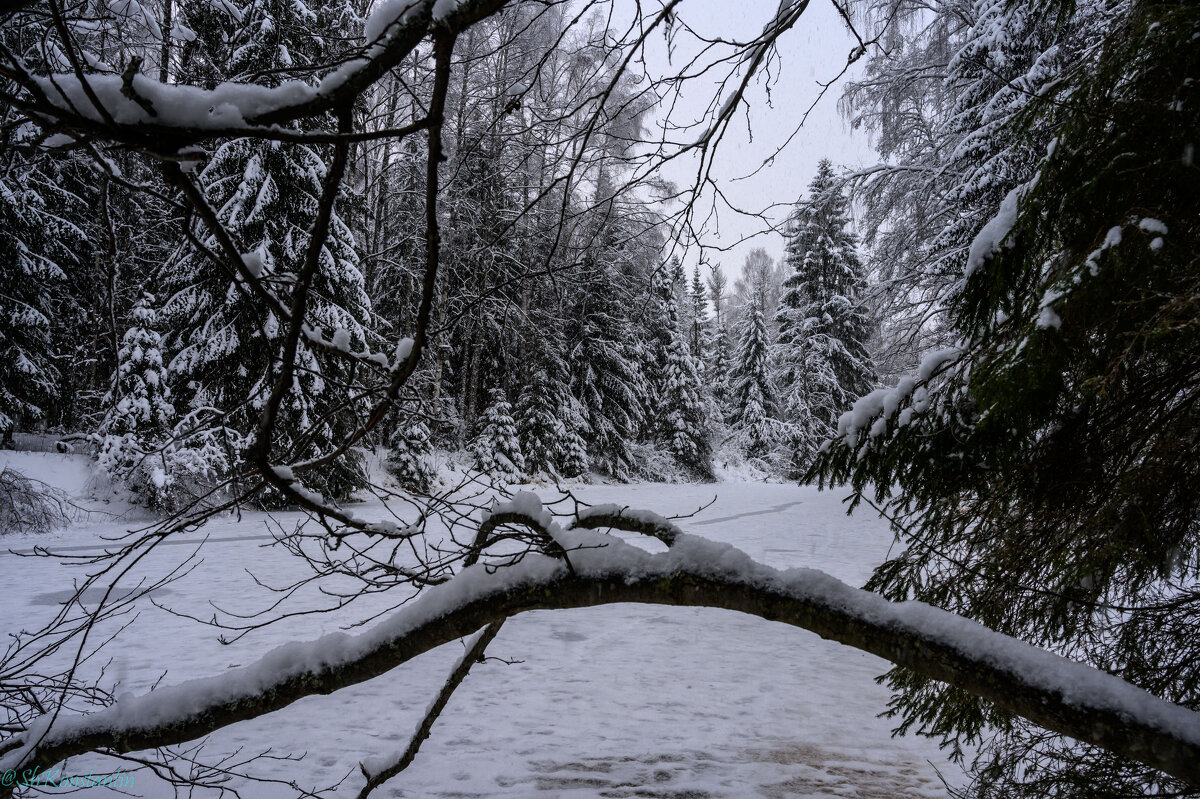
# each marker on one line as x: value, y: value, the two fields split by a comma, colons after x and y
x: 1043, y: 473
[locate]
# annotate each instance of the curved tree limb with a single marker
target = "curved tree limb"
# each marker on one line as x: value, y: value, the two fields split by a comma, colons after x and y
x: 1066, y: 697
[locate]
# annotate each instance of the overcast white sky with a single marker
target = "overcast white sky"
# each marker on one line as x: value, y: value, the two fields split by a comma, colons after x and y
x: 814, y: 50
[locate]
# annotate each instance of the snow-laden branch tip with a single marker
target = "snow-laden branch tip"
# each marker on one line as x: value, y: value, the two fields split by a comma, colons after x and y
x: 393, y: 31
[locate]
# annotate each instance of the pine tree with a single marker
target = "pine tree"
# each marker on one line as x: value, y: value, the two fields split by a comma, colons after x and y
x: 140, y: 413
x: 821, y: 361
x: 753, y: 396
x: 1042, y: 473
x: 497, y: 447
x: 266, y: 194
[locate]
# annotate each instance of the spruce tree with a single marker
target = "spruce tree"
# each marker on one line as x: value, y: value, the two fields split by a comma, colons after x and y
x: 266, y: 194
x: 698, y: 317
x: 497, y: 447
x: 604, y: 350
x: 753, y: 395
x: 548, y: 419
x: 682, y: 419
x: 410, y: 458
x: 40, y: 240
x: 140, y: 413
x: 721, y: 351
x: 821, y: 361
x: 1042, y: 473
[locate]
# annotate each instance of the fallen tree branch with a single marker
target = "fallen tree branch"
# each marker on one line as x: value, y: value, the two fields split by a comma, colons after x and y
x: 631, y: 520
x: 1067, y: 697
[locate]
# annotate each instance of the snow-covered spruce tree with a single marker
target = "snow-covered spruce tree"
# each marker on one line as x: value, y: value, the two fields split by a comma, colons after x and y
x: 40, y: 239
x: 497, y: 447
x: 754, y: 415
x: 939, y: 99
x: 1042, y: 474
x: 820, y: 354
x: 720, y: 353
x: 604, y: 351
x: 548, y: 419
x: 410, y: 458
x: 265, y: 193
x: 139, y: 413
x: 682, y: 424
x: 698, y: 334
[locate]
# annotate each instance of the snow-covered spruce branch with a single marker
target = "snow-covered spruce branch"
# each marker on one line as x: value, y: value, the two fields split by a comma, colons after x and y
x: 1061, y: 695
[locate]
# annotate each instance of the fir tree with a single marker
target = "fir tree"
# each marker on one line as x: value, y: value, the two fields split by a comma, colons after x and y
x: 1042, y: 474
x: 38, y: 243
x: 605, y: 352
x: 721, y: 350
x: 683, y: 424
x: 821, y: 359
x: 548, y: 419
x: 698, y: 316
x: 497, y: 448
x: 753, y: 396
x: 939, y: 100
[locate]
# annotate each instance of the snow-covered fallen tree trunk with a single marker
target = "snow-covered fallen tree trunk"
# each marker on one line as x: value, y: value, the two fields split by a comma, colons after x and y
x: 1056, y: 693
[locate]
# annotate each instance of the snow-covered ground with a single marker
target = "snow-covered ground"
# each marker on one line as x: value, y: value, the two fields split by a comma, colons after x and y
x: 613, y: 701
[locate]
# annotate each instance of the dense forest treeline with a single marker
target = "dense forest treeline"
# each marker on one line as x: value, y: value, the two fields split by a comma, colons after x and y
x: 565, y: 331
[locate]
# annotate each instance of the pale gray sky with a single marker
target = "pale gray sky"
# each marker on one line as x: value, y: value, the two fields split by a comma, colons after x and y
x: 814, y: 50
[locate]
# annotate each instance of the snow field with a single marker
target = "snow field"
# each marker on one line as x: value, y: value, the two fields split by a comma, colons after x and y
x: 613, y: 701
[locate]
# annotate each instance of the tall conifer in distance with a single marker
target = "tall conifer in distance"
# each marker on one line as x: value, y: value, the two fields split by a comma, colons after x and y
x: 821, y: 361
x: 548, y: 420
x: 682, y: 420
x: 698, y: 316
x: 720, y: 354
x: 753, y: 395
x: 604, y: 352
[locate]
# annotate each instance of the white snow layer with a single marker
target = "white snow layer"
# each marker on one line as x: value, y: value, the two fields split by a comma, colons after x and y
x: 598, y: 556
x: 228, y: 105
x: 991, y: 237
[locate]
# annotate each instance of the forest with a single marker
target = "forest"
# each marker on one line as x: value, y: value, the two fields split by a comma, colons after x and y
x: 404, y: 280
